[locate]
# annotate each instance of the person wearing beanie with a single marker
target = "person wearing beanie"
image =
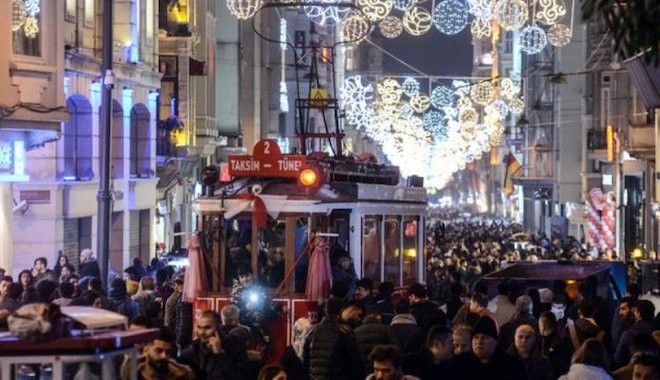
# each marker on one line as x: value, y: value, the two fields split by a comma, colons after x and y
x: 485, y: 361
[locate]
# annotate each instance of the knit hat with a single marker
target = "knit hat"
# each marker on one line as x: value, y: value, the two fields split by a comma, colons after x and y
x: 485, y: 325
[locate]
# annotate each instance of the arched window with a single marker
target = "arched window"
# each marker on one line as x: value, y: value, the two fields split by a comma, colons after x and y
x: 77, y: 136
x: 117, y: 145
x: 140, y: 155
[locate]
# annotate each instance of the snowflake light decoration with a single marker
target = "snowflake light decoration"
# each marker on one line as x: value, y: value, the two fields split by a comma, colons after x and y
x: 326, y: 15
x: 5, y: 156
x: 508, y: 88
x: 355, y: 28
x: 32, y: 7
x: 532, y: 39
x: 31, y: 27
x: 481, y: 28
x: 390, y: 27
x: 468, y: 116
x: 375, y: 10
x: 499, y: 108
x: 441, y: 96
x: 511, y: 14
x: 410, y: 86
x: 403, y: 5
x: 559, y: 35
x: 407, y: 111
x: 551, y: 11
x: 450, y: 17
x: 243, y: 9
x: 481, y: 8
x: 417, y: 21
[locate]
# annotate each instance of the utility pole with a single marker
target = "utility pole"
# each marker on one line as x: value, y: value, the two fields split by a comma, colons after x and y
x: 104, y: 196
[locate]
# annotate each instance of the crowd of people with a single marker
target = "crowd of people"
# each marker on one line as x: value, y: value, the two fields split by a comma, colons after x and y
x: 452, y: 327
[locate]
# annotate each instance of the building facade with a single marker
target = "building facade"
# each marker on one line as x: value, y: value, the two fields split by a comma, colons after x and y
x: 64, y: 172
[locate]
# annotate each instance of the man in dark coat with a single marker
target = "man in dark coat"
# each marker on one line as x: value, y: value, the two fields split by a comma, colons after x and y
x: 370, y: 334
x: 205, y: 355
x: 427, y: 313
x: 330, y: 351
x: 432, y: 360
x: 644, y: 313
x: 485, y: 362
x: 408, y: 335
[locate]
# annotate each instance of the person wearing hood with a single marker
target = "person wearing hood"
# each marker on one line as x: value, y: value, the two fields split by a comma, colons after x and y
x: 124, y: 304
x: 589, y: 362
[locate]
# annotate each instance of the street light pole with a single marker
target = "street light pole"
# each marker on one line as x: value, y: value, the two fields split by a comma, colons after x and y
x: 104, y: 196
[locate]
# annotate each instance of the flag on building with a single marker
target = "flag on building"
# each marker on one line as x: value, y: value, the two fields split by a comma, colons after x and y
x: 513, y: 169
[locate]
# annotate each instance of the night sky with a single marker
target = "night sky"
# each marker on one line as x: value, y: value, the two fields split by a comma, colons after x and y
x: 433, y: 53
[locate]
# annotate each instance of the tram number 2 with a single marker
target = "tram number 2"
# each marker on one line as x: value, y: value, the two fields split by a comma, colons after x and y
x: 267, y: 147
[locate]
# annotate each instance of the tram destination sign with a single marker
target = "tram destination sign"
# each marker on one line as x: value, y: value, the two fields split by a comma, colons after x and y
x: 267, y: 160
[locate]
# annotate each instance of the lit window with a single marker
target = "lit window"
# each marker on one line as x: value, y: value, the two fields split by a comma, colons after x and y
x: 26, y: 27
x: 89, y: 13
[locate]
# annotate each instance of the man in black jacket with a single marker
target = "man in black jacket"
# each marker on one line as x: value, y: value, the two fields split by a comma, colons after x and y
x: 427, y: 313
x: 432, y: 360
x: 205, y: 356
x: 330, y: 350
x: 485, y: 362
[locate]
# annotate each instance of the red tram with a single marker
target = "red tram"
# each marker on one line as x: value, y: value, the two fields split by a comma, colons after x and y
x: 276, y: 203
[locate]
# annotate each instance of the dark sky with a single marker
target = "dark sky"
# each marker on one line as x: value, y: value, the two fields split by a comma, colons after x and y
x: 433, y: 53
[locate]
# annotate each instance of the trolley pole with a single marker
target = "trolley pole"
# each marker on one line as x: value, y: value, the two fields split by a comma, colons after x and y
x: 104, y: 195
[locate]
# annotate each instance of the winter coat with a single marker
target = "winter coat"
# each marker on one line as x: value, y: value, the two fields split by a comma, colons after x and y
x: 622, y: 355
x: 331, y: 352
x: 559, y: 351
x: 420, y: 364
x: 372, y: 333
x: 500, y: 367
x: 407, y: 334
x: 90, y: 269
x: 503, y: 309
x: 428, y: 314
x: 204, y: 364
x: 580, y: 371
x: 537, y: 366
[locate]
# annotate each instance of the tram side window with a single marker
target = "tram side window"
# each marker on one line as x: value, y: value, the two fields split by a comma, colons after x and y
x: 371, y: 258
x: 410, y: 249
x: 302, y: 237
x: 238, y: 251
x: 393, y: 249
x: 270, y: 261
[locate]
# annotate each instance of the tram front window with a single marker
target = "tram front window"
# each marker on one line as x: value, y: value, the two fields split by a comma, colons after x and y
x: 371, y: 247
x: 393, y: 249
x: 238, y: 233
x: 270, y: 261
x: 410, y: 249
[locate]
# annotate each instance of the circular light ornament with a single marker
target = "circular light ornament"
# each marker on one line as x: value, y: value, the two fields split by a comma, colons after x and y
x: 498, y: 107
x: 420, y: 103
x: 375, y: 10
x: 442, y: 96
x: 464, y: 102
x: 559, y: 35
x: 410, y: 86
x: 402, y: 5
x: 516, y: 105
x: 481, y: 28
x: 433, y: 120
x: 355, y: 28
x: 326, y: 15
x: 482, y: 93
x: 481, y: 8
x: 468, y: 116
x: 18, y: 15
x: 532, y: 39
x: 551, y: 11
x: 417, y: 21
x: 243, y: 9
x: 390, y: 27
x: 355, y: 91
x: 389, y: 91
x: 450, y: 17
x: 508, y: 88
x: 511, y: 14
